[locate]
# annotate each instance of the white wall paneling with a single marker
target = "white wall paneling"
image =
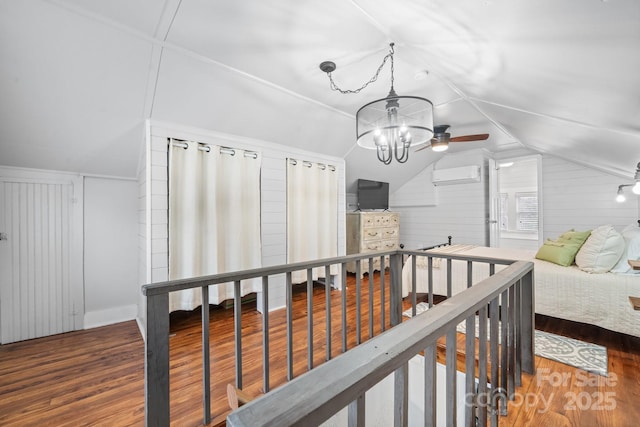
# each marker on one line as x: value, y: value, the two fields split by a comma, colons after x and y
x: 41, y: 286
x: 419, y: 191
x: 573, y: 196
x: 456, y: 210
x: 579, y: 197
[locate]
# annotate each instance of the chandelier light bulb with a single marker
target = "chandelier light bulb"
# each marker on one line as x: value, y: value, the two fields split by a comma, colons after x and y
x: 636, y: 188
x: 620, y: 197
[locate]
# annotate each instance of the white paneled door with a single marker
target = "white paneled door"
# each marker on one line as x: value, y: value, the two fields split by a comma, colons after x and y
x: 41, y: 266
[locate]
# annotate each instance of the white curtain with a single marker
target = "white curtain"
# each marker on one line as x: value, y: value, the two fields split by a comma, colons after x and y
x: 312, y: 214
x: 214, y: 218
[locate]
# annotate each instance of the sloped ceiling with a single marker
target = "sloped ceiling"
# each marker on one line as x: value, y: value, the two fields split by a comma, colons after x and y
x: 78, y: 78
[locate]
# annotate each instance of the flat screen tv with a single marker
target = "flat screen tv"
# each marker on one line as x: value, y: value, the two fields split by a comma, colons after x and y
x: 373, y: 194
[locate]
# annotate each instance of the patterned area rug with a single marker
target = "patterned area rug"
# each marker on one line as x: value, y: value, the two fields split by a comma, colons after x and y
x: 579, y: 354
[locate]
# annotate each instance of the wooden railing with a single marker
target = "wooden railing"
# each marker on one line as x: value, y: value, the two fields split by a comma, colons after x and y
x: 336, y: 384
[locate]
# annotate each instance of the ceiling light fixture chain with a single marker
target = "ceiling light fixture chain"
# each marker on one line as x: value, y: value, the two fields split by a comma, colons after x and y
x: 328, y: 67
x: 391, y: 125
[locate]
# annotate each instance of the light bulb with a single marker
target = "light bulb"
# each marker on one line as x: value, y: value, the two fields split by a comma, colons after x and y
x: 636, y: 188
x: 620, y: 198
x: 379, y: 139
x: 439, y: 146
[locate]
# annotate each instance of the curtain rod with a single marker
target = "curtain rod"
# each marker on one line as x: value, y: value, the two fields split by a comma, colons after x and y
x: 207, y: 148
x: 309, y: 164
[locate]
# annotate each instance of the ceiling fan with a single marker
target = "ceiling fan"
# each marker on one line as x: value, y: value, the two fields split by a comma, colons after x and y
x: 442, y: 138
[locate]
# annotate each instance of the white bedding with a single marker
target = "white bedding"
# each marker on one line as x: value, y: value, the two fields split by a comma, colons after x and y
x: 563, y: 292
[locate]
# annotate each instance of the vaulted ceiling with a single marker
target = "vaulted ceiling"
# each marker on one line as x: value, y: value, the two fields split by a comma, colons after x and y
x: 78, y: 78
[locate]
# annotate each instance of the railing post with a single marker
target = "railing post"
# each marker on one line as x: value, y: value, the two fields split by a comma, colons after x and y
x: 156, y: 366
x: 395, y: 288
x: 528, y: 323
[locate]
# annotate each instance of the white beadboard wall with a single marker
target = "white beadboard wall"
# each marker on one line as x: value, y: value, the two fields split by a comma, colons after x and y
x: 273, y: 199
x: 455, y: 210
x: 144, y: 215
x: 574, y: 196
x: 582, y: 198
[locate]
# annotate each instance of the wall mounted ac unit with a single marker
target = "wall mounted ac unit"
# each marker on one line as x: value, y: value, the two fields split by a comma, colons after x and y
x: 461, y: 175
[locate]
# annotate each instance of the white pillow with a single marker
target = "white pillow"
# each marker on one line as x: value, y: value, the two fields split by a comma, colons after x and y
x: 631, y: 236
x: 601, y: 251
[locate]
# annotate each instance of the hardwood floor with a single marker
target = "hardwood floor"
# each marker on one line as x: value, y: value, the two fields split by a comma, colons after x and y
x: 96, y: 377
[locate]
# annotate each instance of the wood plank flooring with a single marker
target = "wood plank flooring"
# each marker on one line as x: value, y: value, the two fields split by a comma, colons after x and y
x: 96, y: 377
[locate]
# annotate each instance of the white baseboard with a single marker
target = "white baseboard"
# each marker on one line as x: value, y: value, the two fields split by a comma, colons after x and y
x: 95, y: 319
x: 143, y: 328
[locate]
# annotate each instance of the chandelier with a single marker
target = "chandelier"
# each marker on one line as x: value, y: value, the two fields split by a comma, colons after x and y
x: 390, y: 125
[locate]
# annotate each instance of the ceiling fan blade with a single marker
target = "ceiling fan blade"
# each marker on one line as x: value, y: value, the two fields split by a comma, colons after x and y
x: 469, y: 138
x: 424, y: 147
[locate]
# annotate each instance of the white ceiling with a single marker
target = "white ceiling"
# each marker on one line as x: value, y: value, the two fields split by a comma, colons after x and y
x: 79, y: 77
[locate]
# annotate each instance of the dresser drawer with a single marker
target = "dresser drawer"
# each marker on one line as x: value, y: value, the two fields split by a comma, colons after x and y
x: 371, y: 246
x: 388, y: 233
x: 390, y: 244
x: 374, y: 233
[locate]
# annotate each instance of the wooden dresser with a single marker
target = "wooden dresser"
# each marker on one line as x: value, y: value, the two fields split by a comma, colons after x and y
x: 371, y: 232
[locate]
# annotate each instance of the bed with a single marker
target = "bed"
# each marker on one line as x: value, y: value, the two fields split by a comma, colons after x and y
x: 563, y: 292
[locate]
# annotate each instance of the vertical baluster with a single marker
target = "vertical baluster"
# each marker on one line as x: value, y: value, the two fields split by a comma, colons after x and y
x: 395, y: 275
x: 492, y: 269
x: 451, y: 366
x: 309, y: 319
x: 237, y: 329
x: 414, y: 290
x: 265, y: 333
x: 401, y: 377
x: 494, y: 318
x: 344, y: 303
x: 430, y: 385
x: 289, y: 306
x: 382, y: 296
x: 430, y: 280
x: 356, y: 412
x: 518, y: 334
x: 449, y: 278
x: 469, y: 274
x: 528, y: 323
x: 370, y: 281
x: 482, y: 366
x: 156, y: 367
x: 504, y: 351
x: 511, y: 355
x: 401, y: 396
x: 327, y: 305
x: 358, y: 302
x: 206, y: 360
x: 470, y: 368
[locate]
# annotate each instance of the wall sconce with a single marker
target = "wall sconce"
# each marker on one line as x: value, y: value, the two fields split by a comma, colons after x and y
x: 636, y: 186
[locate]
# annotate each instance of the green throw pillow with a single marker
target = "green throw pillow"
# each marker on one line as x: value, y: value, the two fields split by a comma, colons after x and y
x: 563, y: 250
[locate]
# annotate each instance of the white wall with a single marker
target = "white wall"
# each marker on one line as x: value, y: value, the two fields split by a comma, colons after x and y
x: 573, y: 196
x: 458, y: 210
x: 579, y: 197
x: 110, y: 250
